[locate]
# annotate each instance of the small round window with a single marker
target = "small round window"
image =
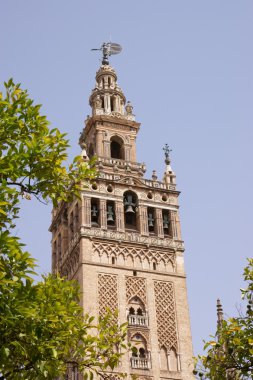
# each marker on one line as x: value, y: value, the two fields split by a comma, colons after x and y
x: 164, y: 198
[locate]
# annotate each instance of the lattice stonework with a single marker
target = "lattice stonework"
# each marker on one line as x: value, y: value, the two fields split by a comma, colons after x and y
x: 165, y: 314
x: 107, y: 249
x: 136, y: 287
x: 110, y: 377
x: 107, y: 293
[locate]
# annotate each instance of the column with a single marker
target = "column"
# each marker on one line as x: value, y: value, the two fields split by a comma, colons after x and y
x: 99, y: 143
x: 65, y: 241
x: 168, y: 359
x: 86, y: 214
x: 107, y: 103
x: 143, y: 215
x: 103, y: 214
x: 120, y: 222
x: 127, y: 152
x: 179, y: 362
x: 159, y: 222
x: 178, y: 227
x: 107, y: 149
x: 173, y: 216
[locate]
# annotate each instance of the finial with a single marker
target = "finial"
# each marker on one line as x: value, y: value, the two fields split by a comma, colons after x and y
x: 129, y: 108
x: 167, y: 151
x: 154, y: 175
x: 219, y: 312
x: 109, y: 48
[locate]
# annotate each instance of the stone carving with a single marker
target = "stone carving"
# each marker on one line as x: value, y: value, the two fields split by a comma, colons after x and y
x: 142, y: 332
x: 165, y: 315
x: 71, y: 246
x: 131, y: 256
x: 129, y: 108
x: 107, y: 293
x: 132, y: 237
x: 136, y: 287
x: 98, y: 102
x: 70, y: 265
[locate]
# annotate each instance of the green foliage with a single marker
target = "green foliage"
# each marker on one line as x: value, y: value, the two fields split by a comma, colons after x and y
x: 43, y: 330
x: 230, y: 352
x: 42, y: 327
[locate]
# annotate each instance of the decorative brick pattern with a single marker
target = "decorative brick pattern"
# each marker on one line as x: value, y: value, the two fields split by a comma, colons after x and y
x: 108, y: 249
x: 136, y: 287
x: 165, y: 314
x: 107, y: 293
x: 71, y: 263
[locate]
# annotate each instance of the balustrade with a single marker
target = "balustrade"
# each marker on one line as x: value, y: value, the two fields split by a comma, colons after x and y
x: 138, y: 320
x: 140, y: 363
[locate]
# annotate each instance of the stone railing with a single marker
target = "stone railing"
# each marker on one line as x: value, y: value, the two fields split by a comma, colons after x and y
x: 137, y: 320
x: 140, y: 363
x: 122, y: 164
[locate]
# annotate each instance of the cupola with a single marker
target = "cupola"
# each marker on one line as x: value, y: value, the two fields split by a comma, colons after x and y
x: 107, y: 98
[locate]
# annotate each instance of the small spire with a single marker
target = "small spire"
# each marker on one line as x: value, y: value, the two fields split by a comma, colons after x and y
x: 129, y: 108
x: 154, y: 175
x: 83, y: 154
x: 167, y: 151
x: 219, y: 312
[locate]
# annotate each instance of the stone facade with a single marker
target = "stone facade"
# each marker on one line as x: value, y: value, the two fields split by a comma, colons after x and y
x: 122, y: 242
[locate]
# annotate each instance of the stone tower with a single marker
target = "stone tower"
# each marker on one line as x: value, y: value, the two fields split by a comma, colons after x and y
x: 122, y: 241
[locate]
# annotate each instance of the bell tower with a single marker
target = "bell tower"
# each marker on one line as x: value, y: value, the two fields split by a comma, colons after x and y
x: 122, y: 241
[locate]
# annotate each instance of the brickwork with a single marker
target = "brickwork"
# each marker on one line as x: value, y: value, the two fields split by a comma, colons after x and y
x: 122, y: 242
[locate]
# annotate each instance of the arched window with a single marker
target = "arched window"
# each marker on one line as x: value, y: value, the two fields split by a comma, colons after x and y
x: 130, y: 210
x: 142, y: 352
x: 54, y: 256
x: 76, y: 217
x: 94, y: 212
x: 164, y: 359
x: 117, y: 148
x: 59, y: 247
x: 110, y: 214
x: 137, y: 314
x: 151, y: 219
x: 71, y: 225
x: 167, y: 223
x: 112, y: 103
x: 91, y: 150
x: 173, y: 360
x: 140, y: 356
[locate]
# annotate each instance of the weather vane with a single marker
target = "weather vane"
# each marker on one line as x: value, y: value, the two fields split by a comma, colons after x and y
x: 109, y: 48
x: 167, y: 151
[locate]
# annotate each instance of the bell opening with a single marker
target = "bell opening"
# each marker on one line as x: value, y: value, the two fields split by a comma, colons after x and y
x: 130, y: 210
x: 110, y: 214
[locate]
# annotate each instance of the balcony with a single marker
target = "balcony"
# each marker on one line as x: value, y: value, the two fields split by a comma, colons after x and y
x: 140, y: 363
x: 137, y: 320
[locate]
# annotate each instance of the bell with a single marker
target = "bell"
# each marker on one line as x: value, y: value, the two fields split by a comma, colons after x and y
x: 165, y: 222
x: 94, y: 211
x: 150, y: 220
x: 110, y: 214
x: 129, y: 209
x: 128, y: 202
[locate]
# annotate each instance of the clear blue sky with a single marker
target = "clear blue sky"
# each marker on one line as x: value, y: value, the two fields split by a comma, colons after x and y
x: 186, y: 66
